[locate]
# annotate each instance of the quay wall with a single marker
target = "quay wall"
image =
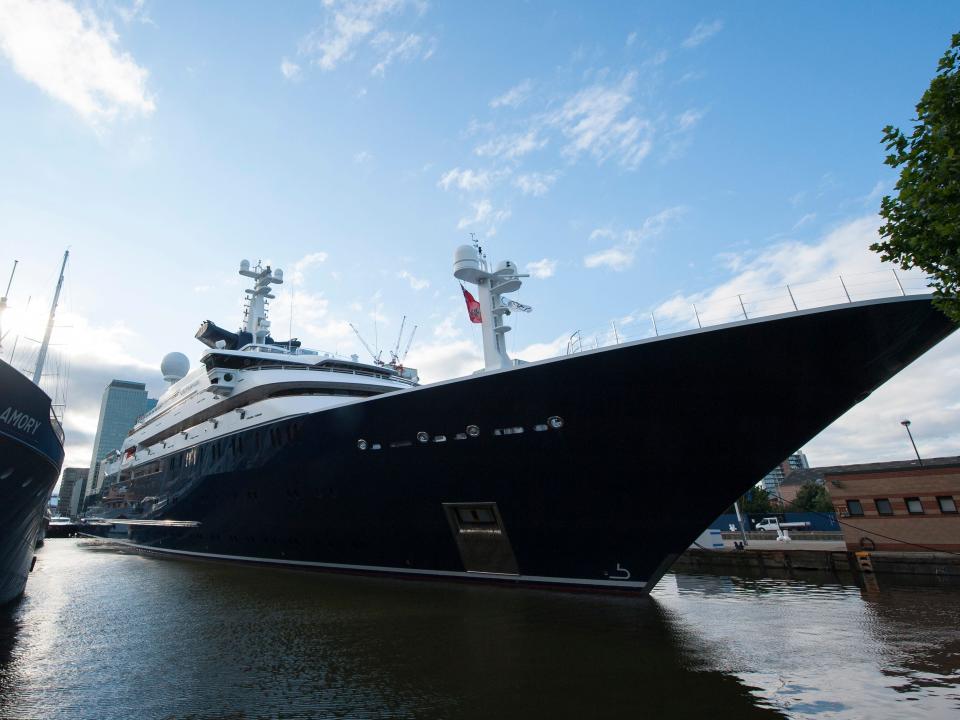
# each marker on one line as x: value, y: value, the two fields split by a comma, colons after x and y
x: 894, y: 563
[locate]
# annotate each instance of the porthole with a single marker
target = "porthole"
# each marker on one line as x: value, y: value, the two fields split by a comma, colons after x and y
x: 556, y: 422
x: 362, y: 444
x: 473, y: 430
x: 422, y: 436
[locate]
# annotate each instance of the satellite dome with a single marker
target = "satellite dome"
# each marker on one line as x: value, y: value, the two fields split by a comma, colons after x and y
x: 174, y: 366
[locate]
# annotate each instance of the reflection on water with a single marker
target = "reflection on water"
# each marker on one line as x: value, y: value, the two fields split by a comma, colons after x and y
x: 103, y: 634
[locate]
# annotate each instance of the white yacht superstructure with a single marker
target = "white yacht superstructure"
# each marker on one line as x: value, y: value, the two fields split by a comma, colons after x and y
x: 246, y: 380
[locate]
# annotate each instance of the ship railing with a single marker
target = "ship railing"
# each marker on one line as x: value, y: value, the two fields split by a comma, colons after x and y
x: 723, y: 306
x: 343, y: 371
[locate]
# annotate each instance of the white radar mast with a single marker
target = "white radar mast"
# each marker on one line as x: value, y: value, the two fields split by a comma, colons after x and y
x: 255, y: 312
x: 470, y: 265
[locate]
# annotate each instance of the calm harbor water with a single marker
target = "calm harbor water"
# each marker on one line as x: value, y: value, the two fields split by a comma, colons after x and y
x: 106, y: 634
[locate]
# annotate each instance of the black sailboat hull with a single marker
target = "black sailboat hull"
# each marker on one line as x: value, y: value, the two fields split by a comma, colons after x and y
x: 31, y: 454
x: 594, y: 470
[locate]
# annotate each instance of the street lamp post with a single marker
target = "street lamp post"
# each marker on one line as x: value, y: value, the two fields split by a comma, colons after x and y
x: 906, y: 424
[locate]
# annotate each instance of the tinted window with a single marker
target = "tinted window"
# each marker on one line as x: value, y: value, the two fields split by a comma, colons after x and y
x: 947, y: 504
x: 883, y: 506
x: 914, y: 506
x: 854, y: 507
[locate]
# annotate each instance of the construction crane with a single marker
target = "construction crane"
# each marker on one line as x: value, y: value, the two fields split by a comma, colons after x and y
x: 409, y: 343
x: 374, y: 355
x: 394, y: 354
x: 396, y: 359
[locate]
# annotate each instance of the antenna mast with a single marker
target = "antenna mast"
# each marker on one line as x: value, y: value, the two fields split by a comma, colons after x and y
x: 42, y: 355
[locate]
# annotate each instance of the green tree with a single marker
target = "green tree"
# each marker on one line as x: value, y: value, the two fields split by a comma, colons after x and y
x: 812, y: 497
x: 922, y: 226
x: 756, y: 500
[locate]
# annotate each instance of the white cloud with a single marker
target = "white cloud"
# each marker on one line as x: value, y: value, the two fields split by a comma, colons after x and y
x: 350, y: 24
x: 511, y: 147
x: 596, y: 121
x: 543, y: 350
x: 445, y: 358
x: 536, y: 184
x: 811, y: 270
x: 620, y: 256
x: 362, y: 157
x: 542, y: 268
x: 415, y: 282
x: 75, y: 58
x: 702, y: 32
x: 616, y: 258
x: 470, y: 180
x: 808, y: 218
x: 406, y: 48
x: 631, y: 39
x: 688, y: 119
x: 448, y: 328
x: 136, y: 11
x: 290, y: 70
x: 297, y: 273
x: 878, y: 191
x: 481, y: 211
x: 514, y: 96
x: 484, y: 214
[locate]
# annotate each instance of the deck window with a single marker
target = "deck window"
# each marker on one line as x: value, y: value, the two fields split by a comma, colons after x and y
x: 854, y: 507
x: 883, y: 506
x: 947, y: 504
x: 914, y: 506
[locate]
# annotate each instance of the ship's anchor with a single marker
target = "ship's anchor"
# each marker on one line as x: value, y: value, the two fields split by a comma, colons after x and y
x: 624, y: 576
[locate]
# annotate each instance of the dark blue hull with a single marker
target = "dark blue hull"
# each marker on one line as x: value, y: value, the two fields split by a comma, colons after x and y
x: 31, y: 453
x: 656, y: 439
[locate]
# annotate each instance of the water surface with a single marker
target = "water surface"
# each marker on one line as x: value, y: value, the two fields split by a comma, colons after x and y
x: 107, y: 634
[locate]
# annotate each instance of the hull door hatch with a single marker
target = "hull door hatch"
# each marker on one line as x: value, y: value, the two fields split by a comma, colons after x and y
x: 481, y: 538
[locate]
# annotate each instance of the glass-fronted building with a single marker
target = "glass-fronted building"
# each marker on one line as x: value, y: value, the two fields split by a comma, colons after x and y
x: 123, y: 402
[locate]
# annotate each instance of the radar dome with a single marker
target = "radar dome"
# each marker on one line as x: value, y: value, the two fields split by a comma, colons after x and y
x: 174, y: 366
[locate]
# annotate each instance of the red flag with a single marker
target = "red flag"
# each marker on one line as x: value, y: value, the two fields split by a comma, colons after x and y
x: 473, y: 306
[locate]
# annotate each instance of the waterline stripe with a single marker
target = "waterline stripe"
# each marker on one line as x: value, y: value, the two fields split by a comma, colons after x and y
x: 632, y: 584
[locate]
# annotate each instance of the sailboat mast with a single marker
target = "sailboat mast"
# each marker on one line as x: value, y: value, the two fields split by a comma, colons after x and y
x: 3, y: 300
x: 42, y: 356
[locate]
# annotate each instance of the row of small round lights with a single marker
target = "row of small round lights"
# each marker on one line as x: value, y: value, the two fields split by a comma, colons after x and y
x: 555, y: 422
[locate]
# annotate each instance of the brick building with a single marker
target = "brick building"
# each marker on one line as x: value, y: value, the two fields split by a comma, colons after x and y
x: 887, y: 506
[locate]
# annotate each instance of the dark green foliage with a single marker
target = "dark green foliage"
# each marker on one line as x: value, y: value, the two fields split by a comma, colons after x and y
x: 812, y: 497
x: 922, y: 226
x: 756, y: 500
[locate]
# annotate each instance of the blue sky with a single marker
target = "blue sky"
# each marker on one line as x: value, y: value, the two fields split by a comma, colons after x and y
x: 633, y: 157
